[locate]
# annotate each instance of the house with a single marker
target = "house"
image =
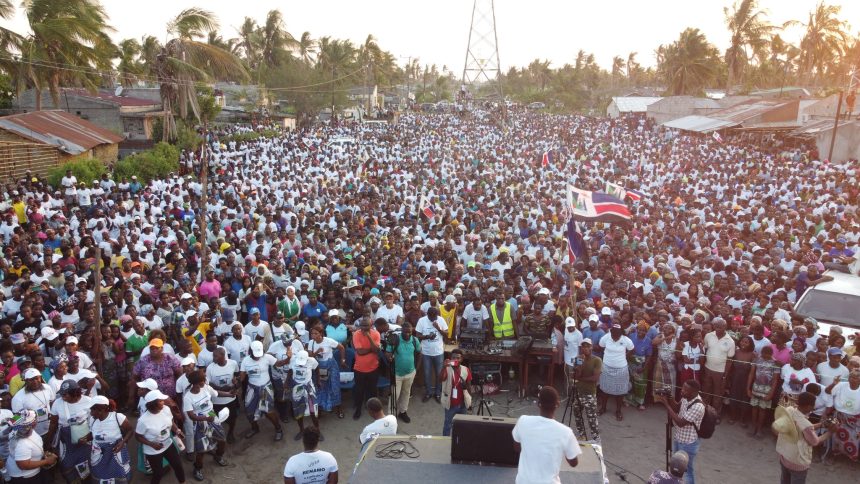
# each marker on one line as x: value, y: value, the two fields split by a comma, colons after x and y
x: 826, y: 109
x: 629, y: 105
x: 58, y: 136
x: 789, y: 92
x: 750, y: 114
x: 846, y: 144
x: 675, y: 107
x: 115, y: 110
x: 362, y: 95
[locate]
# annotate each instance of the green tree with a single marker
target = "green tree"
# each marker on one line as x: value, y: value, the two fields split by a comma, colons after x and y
x: 689, y: 64
x: 130, y: 67
x: 750, y: 33
x: 275, y: 41
x: 824, y: 40
x: 306, y: 48
x: 184, y: 61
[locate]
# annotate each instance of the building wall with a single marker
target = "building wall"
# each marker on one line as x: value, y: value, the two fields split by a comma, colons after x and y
x: 612, y: 110
x: 101, y: 114
x: 19, y: 155
x: 846, y: 146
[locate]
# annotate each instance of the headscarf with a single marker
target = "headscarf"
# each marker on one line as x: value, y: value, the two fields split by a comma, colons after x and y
x: 60, y: 358
x: 643, y: 325
x: 23, y: 422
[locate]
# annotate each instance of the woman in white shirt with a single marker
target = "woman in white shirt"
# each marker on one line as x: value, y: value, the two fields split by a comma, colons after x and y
x: 69, y: 415
x: 303, y: 389
x: 846, y: 403
x: 27, y: 455
x: 208, y: 433
x: 110, y: 432
x: 323, y: 349
x: 154, y: 431
x: 615, y: 378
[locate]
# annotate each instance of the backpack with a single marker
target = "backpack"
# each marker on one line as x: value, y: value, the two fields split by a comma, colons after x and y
x: 709, y: 421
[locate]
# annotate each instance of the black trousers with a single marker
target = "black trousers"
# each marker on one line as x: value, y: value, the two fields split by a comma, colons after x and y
x: 43, y: 477
x: 172, y: 457
x: 365, y: 387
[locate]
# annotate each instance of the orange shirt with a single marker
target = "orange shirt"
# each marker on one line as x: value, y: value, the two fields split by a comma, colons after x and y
x: 369, y: 362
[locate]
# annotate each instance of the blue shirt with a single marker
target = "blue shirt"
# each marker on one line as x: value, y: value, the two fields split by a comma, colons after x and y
x: 641, y: 346
x: 337, y: 333
x: 314, y: 311
x: 594, y: 335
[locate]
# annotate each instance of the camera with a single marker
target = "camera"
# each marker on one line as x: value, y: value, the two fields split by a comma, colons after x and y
x: 577, y: 361
x: 829, y: 421
x: 663, y: 392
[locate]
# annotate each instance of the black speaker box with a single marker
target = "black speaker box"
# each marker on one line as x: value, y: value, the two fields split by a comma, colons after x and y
x: 484, y: 440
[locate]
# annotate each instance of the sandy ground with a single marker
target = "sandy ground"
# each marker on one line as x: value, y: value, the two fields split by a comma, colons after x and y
x: 633, y: 448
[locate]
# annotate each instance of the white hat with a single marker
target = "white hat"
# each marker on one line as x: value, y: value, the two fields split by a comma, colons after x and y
x: 49, y: 333
x: 375, y: 299
x: 333, y: 312
x: 586, y: 341
x: 594, y: 317
x: 190, y: 313
x: 302, y: 358
x: 154, y: 395
x: 31, y: 373
x: 99, y: 400
x: 257, y: 349
x: 188, y: 360
x: 543, y: 291
x: 450, y: 298
x: 185, y: 296
x: 149, y: 384
x: 72, y: 339
x: 300, y: 328
x: 569, y: 323
x: 606, y: 311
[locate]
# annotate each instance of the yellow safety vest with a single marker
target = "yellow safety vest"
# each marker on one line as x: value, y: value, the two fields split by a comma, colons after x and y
x: 449, y: 317
x: 505, y: 328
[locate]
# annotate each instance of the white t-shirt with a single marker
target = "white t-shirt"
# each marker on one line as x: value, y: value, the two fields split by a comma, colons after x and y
x: 717, y: 351
x: 155, y: 428
x: 544, y: 442
x: 237, y: 349
x: 204, y: 358
x: 71, y: 413
x: 82, y: 374
x: 387, y: 425
x: 572, y: 340
x: 845, y: 399
x: 803, y: 374
x: 303, y: 374
x: 222, y: 376
x: 310, y: 467
x: 258, y: 370
x: 279, y: 351
x: 390, y: 315
x: 201, y: 402
x: 28, y: 448
x: 615, y: 352
x: 435, y: 346
x: 475, y: 317
x: 39, y: 402
x: 109, y: 430
x: 327, y: 345
x: 827, y: 374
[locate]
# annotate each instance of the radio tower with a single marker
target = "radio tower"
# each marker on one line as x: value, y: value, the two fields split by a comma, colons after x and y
x: 482, y: 52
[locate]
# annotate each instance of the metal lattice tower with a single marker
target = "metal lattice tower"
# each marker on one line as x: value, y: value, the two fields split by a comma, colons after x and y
x: 482, y: 52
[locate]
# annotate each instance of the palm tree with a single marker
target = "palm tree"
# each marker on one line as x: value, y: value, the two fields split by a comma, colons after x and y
x: 823, y: 41
x: 130, y: 67
x: 306, y: 48
x: 275, y: 41
x: 749, y: 30
x: 689, y: 64
x: 150, y: 48
x: 66, y: 33
x: 632, y: 65
x: 617, y: 69
x: 184, y: 61
x: 369, y: 54
x: 335, y: 56
x: 9, y: 40
x: 248, y: 41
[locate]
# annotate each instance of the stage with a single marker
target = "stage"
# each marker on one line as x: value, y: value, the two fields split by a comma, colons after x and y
x: 433, y: 465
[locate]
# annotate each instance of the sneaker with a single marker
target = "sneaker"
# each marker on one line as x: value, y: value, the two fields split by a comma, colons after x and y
x: 426, y: 398
x: 405, y: 417
x: 438, y: 399
x: 198, y: 474
x: 279, y: 435
x: 221, y: 461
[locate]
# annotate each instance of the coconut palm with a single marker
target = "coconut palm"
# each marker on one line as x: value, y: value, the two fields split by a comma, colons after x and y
x: 9, y: 40
x: 130, y: 67
x: 150, y: 48
x: 247, y: 39
x: 306, y: 48
x: 335, y: 56
x: 185, y: 61
x: 751, y: 34
x: 689, y: 64
x: 275, y: 41
x: 823, y: 41
x: 66, y: 33
x: 632, y: 65
x: 369, y: 55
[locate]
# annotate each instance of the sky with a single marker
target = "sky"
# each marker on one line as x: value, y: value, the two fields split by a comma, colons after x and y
x: 437, y: 31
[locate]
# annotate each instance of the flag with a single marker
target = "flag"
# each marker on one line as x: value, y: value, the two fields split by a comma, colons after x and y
x: 596, y: 206
x: 546, y: 159
x: 575, y: 245
x: 717, y: 137
x: 634, y: 195
x: 425, y: 207
x: 615, y: 190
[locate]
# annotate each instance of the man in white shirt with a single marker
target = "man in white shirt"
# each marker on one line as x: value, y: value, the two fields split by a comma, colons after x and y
x: 475, y: 316
x: 260, y: 400
x: 313, y: 466
x: 832, y: 368
x: 542, y: 442
x: 382, y: 424
x: 390, y: 312
x: 719, y: 348
x: 429, y: 331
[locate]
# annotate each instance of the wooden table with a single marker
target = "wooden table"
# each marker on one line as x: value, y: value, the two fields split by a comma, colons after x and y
x: 538, y: 349
x: 506, y: 356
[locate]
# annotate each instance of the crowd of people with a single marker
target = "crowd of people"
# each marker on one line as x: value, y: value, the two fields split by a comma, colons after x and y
x: 326, y: 266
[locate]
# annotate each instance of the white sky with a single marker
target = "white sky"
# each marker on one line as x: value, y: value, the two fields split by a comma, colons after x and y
x: 436, y: 31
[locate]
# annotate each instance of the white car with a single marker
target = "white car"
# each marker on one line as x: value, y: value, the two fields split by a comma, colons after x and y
x: 833, y: 303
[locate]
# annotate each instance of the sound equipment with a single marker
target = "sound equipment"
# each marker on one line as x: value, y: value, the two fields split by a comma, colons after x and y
x: 522, y: 346
x: 473, y: 339
x: 485, y: 440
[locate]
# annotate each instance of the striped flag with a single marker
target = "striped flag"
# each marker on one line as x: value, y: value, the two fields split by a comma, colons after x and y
x: 717, y: 137
x: 426, y: 208
x: 596, y: 206
x: 634, y: 195
x: 575, y: 244
x: 615, y: 190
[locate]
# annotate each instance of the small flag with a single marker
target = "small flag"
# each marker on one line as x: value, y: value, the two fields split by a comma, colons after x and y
x: 615, y: 190
x: 546, y: 159
x: 717, y: 137
x: 634, y: 195
x: 425, y: 208
x: 575, y: 245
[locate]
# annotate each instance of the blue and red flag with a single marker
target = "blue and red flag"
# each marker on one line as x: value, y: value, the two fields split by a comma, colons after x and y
x: 634, y: 195
x: 575, y: 244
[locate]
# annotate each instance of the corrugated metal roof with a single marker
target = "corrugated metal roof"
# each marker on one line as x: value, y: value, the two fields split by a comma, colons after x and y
x: 699, y: 124
x: 634, y: 104
x: 747, y: 110
x: 820, y: 126
x: 109, y: 97
x: 68, y: 133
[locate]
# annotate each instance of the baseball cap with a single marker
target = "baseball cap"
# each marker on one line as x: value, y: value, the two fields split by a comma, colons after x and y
x: 257, y: 349
x: 190, y: 313
x: 72, y: 340
x: 68, y: 386
x: 300, y: 328
x: 678, y: 463
x: 32, y: 373
x: 18, y: 339
x: 149, y: 384
x: 450, y: 298
x: 834, y: 352
x: 154, y: 395
x: 302, y: 358
x: 586, y: 341
x: 606, y: 311
x: 185, y: 296
x: 593, y: 317
x: 569, y: 323
x: 99, y: 400
x: 333, y: 312
x: 157, y: 342
x: 49, y: 333
x: 543, y: 291
x: 188, y: 360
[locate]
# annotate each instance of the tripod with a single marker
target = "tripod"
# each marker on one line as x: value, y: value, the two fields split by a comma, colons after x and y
x: 392, y: 379
x: 483, y: 404
x: 572, y: 396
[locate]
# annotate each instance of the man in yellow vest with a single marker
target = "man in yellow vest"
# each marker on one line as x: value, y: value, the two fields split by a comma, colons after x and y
x: 502, y: 316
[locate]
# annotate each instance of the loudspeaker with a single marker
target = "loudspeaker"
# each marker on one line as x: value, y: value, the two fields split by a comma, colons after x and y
x: 485, y: 440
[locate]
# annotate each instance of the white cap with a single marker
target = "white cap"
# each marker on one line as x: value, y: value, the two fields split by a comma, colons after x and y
x: 450, y: 298
x: 31, y: 373
x: 149, y: 384
x: 606, y: 311
x: 333, y: 312
x: 302, y: 358
x: 586, y: 341
x: 154, y: 395
x: 188, y: 360
x: 49, y: 333
x: 185, y: 296
x: 99, y: 400
x: 594, y: 317
x: 543, y: 291
x: 72, y: 339
x: 257, y: 349
x: 569, y: 323
x: 190, y: 313
x: 300, y: 328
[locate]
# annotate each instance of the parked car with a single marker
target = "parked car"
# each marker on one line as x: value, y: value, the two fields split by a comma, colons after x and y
x: 833, y: 303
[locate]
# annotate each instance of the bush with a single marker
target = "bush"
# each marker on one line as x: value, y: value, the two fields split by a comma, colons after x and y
x: 85, y: 170
x: 158, y: 162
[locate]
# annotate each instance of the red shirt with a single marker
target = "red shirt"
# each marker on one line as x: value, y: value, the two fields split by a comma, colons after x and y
x: 457, y: 386
x: 368, y: 362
